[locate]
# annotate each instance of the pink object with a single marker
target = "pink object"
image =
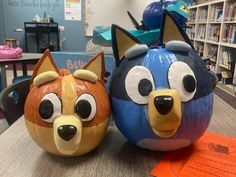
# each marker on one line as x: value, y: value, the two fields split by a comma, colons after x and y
x: 7, y: 52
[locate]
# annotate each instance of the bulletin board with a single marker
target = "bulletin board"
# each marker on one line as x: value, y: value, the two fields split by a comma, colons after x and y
x: 107, y: 12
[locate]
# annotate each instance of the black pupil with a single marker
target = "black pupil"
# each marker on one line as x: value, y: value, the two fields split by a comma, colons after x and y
x: 144, y: 87
x: 46, y: 109
x: 189, y: 83
x: 83, y: 109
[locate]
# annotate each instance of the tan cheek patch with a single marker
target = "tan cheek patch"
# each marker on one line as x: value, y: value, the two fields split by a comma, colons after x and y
x: 45, y: 77
x: 86, y: 75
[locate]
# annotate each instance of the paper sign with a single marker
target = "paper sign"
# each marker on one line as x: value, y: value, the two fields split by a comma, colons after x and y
x: 211, y: 156
x: 72, y: 9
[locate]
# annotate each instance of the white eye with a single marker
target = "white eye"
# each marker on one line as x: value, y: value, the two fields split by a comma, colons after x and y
x: 182, y: 79
x: 85, y: 107
x: 50, y: 107
x: 138, y: 84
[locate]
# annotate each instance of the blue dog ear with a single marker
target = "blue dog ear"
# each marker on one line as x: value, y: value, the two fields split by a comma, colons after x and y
x: 171, y: 30
x: 124, y: 44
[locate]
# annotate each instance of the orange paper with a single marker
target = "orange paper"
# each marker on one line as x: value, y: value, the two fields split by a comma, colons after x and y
x: 211, y: 156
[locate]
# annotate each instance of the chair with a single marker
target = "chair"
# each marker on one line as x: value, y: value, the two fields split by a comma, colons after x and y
x: 12, y: 100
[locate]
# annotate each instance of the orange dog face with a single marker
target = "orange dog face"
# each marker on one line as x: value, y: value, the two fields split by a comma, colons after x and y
x: 67, y: 114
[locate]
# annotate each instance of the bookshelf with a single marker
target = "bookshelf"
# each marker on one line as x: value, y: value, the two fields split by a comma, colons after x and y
x: 213, y: 34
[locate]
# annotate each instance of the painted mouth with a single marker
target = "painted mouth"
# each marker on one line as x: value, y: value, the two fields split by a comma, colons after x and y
x: 164, y: 133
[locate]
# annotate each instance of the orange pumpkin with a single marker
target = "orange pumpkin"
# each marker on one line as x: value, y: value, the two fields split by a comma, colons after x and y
x: 67, y: 114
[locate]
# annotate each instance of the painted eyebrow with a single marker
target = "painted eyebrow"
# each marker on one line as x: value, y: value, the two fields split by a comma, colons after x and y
x: 86, y: 75
x: 45, y: 77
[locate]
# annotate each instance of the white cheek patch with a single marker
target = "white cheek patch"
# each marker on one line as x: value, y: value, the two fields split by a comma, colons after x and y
x: 136, y: 50
x: 178, y: 46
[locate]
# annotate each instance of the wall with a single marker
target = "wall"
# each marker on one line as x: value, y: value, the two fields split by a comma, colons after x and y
x: 16, y: 12
x: 2, y: 34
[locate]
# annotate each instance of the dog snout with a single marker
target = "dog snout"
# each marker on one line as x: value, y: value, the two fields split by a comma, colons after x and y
x: 163, y: 104
x: 67, y: 132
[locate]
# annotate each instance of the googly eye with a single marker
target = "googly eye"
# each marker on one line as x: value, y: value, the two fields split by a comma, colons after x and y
x: 50, y: 107
x: 85, y: 107
x: 182, y: 79
x: 138, y: 84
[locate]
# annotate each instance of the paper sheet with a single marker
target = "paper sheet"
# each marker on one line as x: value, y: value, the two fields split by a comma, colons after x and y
x: 211, y: 156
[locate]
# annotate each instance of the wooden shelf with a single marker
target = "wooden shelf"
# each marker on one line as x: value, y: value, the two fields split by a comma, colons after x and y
x: 199, y: 40
x: 228, y: 44
x: 223, y: 66
x: 229, y: 22
x: 219, y: 31
x: 215, y: 23
x: 212, y: 42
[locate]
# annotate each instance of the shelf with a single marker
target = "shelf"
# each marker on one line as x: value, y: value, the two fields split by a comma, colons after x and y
x: 223, y: 66
x: 199, y: 40
x: 229, y: 22
x: 212, y: 42
x: 206, y: 4
x: 218, y: 23
x: 203, y: 22
x: 228, y: 44
x: 191, y: 23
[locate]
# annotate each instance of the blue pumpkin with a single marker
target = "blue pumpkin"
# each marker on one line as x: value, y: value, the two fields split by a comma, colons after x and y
x: 161, y: 97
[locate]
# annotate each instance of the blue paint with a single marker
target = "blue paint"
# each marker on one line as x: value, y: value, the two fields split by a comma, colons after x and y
x: 135, y: 126
x: 15, y: 15
x: 158, y: 62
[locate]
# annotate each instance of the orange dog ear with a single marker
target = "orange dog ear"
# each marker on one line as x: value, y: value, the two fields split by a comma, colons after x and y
x: 45, y: 64
x: 97, y: 66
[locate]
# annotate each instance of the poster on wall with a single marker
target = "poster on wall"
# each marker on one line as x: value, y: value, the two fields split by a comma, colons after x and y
x: 72, y: 9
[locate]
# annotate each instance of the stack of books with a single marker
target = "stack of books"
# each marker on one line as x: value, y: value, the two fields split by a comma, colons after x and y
x: 216, y: 14
x: 228, y: 59
x: 230, y: 12
x: 192, y: 15
x: 202, y: 17
x: 229, y: 35
x: 191, y: 32
x: 214, y: 33
x: 201, y: 32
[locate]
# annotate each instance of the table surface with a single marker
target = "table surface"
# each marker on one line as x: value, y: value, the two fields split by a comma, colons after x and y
x: 25, y: 57
x: 114, y: 157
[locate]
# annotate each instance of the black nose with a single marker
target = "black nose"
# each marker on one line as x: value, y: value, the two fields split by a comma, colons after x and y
x: 67, y: 132
x: 163, y: 104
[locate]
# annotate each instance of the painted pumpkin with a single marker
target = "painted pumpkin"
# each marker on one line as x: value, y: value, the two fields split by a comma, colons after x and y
x: 161, y: 96
x: 67, y: 114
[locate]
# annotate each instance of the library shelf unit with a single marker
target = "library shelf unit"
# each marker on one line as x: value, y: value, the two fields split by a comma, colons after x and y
x: 213, y: 34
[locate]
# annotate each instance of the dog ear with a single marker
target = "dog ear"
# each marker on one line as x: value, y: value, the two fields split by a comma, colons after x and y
x: 122, y: 41
x: 45, y: 64
x: 171, y: 30
x: 97, y: 66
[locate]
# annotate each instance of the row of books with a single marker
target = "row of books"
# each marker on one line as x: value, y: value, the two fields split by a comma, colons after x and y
x: 228, y: 59
x: 214, y: 33
x: 192, y: 15
x: 216, y: 13
x: 230, y: 11
x: 201, y: 32
x: 229, y: 35
x: 200, y: 49
x: 191, y: 32
x: 212, y: 54
x: 202, y: 15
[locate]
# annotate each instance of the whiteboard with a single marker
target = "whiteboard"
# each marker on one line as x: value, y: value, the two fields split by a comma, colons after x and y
x: 107, y: 12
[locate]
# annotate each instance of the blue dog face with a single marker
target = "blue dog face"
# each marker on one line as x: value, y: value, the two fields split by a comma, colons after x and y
x: 162, y: 97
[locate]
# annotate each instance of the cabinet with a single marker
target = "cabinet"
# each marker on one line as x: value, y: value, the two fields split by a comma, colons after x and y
x: 44, y: 35
x: 213, y: 34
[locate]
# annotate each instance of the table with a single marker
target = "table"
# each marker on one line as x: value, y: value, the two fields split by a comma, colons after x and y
x: 27, y: 58
x: 114, y: 157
